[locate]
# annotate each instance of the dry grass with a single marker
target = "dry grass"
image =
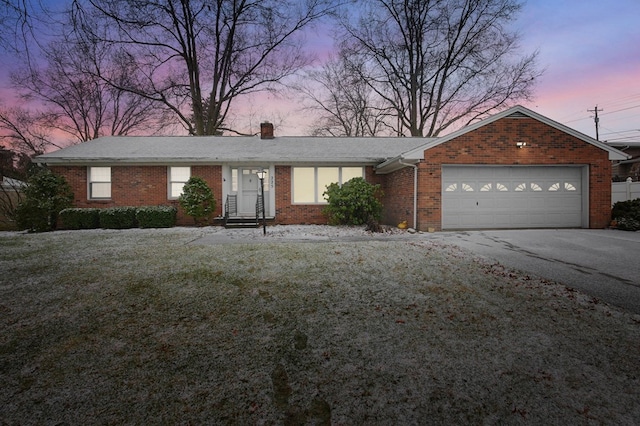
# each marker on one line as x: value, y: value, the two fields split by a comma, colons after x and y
x: 139, y: 327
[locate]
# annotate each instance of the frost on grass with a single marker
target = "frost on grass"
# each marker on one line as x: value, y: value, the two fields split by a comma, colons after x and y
x: 127, y: 326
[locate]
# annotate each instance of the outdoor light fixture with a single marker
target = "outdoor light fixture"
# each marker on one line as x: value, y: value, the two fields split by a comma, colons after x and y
x: 262, y: 173
x: 521, y: 144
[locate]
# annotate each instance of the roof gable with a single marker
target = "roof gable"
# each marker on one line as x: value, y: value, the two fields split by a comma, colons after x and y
x: 517, y: 111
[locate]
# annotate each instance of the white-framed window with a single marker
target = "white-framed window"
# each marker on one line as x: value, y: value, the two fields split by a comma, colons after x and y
x: 309, y: 183
x: 178, y: 176
x: 99, y: 181
x: 234, y: 180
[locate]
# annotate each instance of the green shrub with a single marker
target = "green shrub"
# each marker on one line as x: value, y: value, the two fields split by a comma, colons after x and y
x: 76, y: 218
x: 118, y: 218
x: 156, y: 216
x: 626, y: 214
x: 45, y: 195
x: 197, y: 200
x: 356, y: 202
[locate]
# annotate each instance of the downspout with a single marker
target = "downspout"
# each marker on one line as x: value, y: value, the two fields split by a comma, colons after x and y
x: 415, y: 192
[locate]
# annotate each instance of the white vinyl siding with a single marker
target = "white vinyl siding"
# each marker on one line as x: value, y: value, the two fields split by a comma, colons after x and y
x: 178, y: 176
x: 99, y: 183
x: 310, y: 183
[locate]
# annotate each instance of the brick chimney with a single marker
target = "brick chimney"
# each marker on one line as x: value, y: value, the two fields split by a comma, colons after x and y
x: 266, y: 130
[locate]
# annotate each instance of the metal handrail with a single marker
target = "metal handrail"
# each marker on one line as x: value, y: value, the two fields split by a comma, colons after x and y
x: 258, y: 208
x: 230, y: 206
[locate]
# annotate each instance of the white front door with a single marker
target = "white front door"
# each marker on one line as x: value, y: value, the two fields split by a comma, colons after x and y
x: 247, y: 187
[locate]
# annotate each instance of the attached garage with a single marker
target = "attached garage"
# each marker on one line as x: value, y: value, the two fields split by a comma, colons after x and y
x: 477, y: 197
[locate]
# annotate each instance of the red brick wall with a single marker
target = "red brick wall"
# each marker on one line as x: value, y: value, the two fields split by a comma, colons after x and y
x: 288, y: 213
x: 495, y: 143
x: 139, y: 186
x: 398, y: 197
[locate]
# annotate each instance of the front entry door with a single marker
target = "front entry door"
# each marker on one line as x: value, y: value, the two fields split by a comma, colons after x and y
x: 248, y: 186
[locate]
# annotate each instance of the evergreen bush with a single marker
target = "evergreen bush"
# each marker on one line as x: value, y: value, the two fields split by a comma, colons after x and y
x: 77, y: 218
x: 197, y: 200
x: 356, y: 202
x: 118, y: 218
x: 45, y: 196
x: 156, y: 216
x: 626, y: 215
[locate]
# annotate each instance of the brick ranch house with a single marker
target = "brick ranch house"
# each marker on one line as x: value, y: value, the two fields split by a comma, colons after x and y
x: 515, y: 169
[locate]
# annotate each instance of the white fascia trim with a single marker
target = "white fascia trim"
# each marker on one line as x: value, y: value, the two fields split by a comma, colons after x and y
x: 395, y: 163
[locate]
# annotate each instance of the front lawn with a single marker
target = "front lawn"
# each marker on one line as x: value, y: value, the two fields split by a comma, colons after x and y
x: 144, y: 327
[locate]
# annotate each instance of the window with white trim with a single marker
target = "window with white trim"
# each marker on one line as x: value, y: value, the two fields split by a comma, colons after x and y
x: 99, y: 180
x: 178, y: 176
x: 310, y: 183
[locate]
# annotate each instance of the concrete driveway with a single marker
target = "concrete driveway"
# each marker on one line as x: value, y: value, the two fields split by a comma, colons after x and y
x: 602, y: 263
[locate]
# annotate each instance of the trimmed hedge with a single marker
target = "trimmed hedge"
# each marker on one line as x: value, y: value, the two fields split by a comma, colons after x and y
x: 118, y: 218
x: 156, y: 216
x: 76, y: 218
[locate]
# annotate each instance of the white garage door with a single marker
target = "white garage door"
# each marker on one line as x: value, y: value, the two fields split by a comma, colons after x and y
x: 475, y: 197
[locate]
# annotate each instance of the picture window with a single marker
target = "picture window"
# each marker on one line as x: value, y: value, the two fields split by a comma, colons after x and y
x: 310, y: 183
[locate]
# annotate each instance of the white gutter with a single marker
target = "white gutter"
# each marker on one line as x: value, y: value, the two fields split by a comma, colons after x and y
x: 415, y: 190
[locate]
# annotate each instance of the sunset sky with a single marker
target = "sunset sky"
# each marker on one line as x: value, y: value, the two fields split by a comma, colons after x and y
x: 590, y: 50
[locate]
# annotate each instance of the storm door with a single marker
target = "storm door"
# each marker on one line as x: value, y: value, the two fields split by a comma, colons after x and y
x: 246, y: 185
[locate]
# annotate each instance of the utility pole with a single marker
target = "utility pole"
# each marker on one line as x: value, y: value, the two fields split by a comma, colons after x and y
x: 596, y: 119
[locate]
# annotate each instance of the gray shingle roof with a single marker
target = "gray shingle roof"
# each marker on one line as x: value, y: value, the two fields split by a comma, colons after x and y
x: 388, y: 153
x: 217, y: 149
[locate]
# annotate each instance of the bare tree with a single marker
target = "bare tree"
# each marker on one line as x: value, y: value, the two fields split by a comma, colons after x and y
x: 441, y: 63
x: 26, y: 132
x: 14, y: 22
x: 346, y: 104
x: 76, y: 101
x: 197, y: 56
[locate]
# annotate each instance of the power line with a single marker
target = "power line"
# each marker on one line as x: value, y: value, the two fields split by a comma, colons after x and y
x: 618, y: 110
x: 612, y: 132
